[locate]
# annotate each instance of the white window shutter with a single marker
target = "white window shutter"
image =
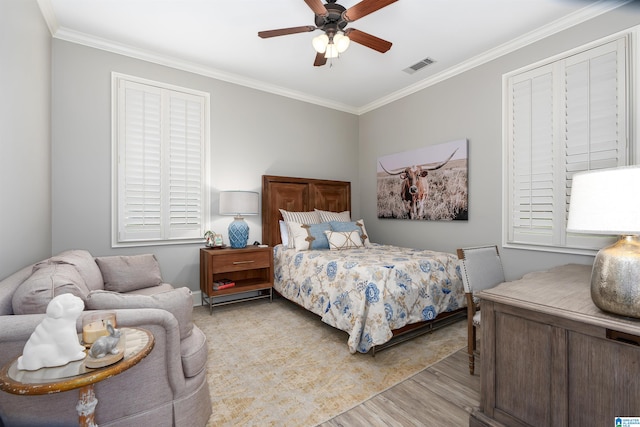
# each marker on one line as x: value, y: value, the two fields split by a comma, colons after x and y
x: 185, y: 157
x: 139, y: 170
x: 161, y: 163
x: 594, y: 120
x: 531, y: 166
x: 562, y: 118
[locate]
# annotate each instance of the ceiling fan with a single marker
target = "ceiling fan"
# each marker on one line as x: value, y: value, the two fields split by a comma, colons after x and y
x: 332, y: 18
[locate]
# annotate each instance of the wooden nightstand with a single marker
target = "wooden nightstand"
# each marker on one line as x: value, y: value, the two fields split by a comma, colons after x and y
x: 251, y: 269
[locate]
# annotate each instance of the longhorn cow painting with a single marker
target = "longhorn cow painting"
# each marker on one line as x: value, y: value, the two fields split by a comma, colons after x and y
x: 430, y: 183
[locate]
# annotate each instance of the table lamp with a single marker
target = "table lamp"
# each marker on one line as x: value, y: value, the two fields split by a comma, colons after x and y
x: 607, y: 201
x: 238, y: 203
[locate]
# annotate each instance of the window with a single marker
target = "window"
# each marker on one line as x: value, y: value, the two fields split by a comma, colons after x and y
x: 160, y: 148
x: 561, y: 117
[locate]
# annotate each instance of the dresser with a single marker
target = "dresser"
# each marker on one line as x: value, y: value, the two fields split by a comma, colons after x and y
x: 550, y: 357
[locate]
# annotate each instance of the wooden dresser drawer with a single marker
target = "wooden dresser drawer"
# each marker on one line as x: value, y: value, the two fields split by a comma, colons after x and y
x: 237, y: 261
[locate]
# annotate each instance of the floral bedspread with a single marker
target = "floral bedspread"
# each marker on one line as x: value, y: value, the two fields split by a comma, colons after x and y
x: 370, y: 291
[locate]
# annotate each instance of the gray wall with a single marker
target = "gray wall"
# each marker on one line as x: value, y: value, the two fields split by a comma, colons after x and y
x: 466, y: 106
x: 25, y: 166
x: 252, y: 133
x: 46, y: 209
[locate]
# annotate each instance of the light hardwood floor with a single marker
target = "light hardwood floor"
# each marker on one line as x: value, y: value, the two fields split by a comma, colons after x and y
x: 441, y: 395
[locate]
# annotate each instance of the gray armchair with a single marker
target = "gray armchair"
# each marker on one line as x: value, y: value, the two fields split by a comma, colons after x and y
x: 167, y: 388
x: 481, y: 269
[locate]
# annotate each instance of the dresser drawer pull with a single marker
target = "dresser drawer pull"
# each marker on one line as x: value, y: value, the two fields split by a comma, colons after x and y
x: 243, y: 262
x: 623, y: 337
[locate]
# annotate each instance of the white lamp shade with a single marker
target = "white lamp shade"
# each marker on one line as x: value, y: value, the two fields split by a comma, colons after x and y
x: 332, y: 51
x: 239, y: 203
x: 341, y: 41
x: 605, y: 201
x: 320, y: 43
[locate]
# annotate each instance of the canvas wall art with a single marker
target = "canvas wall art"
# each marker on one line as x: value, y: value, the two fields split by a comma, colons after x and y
x: 429, y: 183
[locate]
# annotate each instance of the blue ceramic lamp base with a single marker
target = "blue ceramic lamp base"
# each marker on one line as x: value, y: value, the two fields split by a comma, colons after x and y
x: 238, y: 233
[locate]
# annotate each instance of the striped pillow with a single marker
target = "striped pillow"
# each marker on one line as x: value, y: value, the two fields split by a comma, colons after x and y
x: 311, y: 217
x: 327, y: 216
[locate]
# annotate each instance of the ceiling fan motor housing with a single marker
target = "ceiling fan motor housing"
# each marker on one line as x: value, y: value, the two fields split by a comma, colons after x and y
x: 333, y: 21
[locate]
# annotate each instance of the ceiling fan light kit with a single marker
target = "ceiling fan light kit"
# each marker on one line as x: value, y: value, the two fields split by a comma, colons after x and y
x: 332, y: 18
x: 331, y: 46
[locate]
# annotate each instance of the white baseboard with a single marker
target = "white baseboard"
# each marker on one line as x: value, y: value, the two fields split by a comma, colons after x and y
x: 197, y: 300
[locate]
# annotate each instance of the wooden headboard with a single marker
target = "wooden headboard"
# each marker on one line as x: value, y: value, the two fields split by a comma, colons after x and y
x: 298, y: 195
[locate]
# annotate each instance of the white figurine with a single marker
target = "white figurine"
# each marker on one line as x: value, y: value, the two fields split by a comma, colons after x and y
x: 55, y: 341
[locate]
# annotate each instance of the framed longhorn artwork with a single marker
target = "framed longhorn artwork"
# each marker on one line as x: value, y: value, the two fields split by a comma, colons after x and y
x: 429, y: 183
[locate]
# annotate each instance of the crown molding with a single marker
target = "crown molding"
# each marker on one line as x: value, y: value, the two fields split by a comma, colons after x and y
x: 193, y: 67
x: 571, y: 20
x: 49, y: 15
x: 596, y: 9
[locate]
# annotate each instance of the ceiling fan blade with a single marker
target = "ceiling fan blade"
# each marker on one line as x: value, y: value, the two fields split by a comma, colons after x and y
x: 317, y: 6
x: 320, y: 60
x: 364, y: 8
x: 368, y: 40
x: 286, y: 31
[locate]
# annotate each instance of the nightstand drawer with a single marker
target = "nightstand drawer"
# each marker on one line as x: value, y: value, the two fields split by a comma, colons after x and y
x: 237, y: 261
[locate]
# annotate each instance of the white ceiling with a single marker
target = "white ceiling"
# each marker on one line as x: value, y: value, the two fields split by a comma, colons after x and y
x: 219, y: 38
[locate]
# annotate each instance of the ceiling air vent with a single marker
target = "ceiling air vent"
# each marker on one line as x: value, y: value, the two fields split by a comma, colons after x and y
x: 419, y: 65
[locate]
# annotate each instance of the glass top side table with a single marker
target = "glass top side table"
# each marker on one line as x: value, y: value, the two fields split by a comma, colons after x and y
x: 138, y: 343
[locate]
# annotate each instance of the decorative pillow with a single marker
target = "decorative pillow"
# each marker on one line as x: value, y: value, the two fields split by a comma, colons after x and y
x: 351, y: 226
x: 85, y: 264
x: 327, y: 216
x: 309, y: 236
x: 284, y: 233
x: 178, y: 302
x: 46, y: 282
x: 311, y: 217
x: 339, y: 240
x: 128, y: 273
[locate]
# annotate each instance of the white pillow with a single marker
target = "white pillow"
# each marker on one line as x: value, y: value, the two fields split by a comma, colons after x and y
x: 326, y: 216
x: 351, y: 226
x: 309, y: 236
x: 284, y: 233
x: 310, y: 217
x: 339, y: 240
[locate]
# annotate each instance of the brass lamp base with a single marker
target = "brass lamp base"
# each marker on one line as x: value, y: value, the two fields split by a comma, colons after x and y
x: 615, y: 279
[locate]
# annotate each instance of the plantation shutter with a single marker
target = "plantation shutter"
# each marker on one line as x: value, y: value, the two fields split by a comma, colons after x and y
x: 160, y: 163
x: 532, y: 169
x: 185, y: 166
x: 594, y: 131
x: 140, y: 168
x: 562, y: 118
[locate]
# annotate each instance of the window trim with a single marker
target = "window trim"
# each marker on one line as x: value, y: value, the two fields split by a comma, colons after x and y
x: 116, y: 78
x: 632, y: 118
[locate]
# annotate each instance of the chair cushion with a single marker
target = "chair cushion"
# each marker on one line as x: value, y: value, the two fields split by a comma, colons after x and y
x: 193, y: 351
x: 178, y: 302
x: 128, y: 273
x: 46, y: 282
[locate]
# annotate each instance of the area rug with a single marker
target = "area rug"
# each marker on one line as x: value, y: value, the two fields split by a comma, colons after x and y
x: 275, y: 364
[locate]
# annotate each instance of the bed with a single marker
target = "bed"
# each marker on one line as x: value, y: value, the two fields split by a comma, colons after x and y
x: 378, y: 294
